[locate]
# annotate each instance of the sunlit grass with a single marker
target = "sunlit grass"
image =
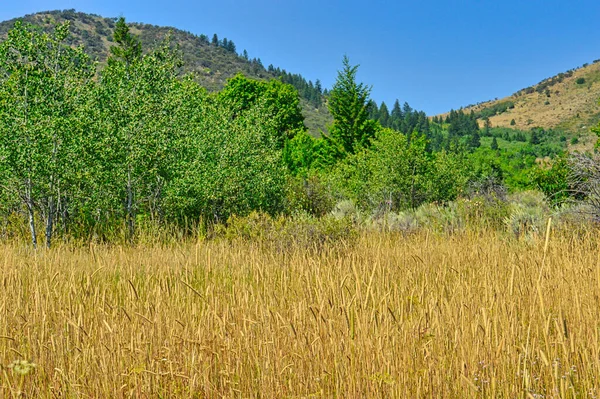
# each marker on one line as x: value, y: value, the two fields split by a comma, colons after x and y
x: 418, y: 315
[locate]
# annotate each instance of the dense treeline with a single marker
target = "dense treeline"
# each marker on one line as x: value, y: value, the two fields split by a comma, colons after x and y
x: 86, y: 154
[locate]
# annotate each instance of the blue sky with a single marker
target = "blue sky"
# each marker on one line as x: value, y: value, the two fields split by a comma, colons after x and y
x: 436, y: 55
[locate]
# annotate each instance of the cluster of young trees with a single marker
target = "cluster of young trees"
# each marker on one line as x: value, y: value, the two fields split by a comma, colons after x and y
x: 83, y: 151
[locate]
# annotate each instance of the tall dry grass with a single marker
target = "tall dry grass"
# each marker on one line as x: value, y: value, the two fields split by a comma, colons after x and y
x: 422, y: 315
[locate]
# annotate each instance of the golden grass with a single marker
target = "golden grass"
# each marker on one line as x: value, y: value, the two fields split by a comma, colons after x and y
x: 413, y: 316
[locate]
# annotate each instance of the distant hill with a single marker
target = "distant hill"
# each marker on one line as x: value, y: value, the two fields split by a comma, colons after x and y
x: 567, y: 101
x: 212, y: 59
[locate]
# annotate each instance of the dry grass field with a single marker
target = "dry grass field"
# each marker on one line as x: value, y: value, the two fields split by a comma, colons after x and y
x: 384, y: 316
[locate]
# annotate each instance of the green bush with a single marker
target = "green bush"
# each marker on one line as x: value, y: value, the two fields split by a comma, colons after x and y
x: 283, y: 233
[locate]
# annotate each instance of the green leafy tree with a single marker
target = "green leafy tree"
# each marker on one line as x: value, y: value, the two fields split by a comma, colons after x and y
x: 487, y: 127
x: 230, y: 166
x: 393, y: 174
x: 134, y: 129
x: 554, y: 182
x: 43, y: 83
x: 300, y: 154
x: 280, y: 100
x: 351, y: 129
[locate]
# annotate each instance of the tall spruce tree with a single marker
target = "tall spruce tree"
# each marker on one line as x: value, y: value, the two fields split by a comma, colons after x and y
x: 384, y: 115
x: 348, y: 103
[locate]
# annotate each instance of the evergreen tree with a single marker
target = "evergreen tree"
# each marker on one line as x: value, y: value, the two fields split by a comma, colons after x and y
x: 487, y: 127
x: 535, y: 137
x: 215, y: 40
x: 494, y: 145
x: 128, y: 48
x: 384, y: 115
x: 318, y: 87
x: 373, y: 110
x: 475, y: 141
x: 351, y: 129
x: 396, y: 116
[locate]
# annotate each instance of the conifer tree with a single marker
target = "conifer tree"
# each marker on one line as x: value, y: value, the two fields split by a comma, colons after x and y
x: 351, y: 129
x: 494, y: 145
x: 384, y: 115
x: 128, y: 46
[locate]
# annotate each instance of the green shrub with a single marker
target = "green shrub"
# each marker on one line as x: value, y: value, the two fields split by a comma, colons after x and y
x: 528, y: 214
x: 285, y: 232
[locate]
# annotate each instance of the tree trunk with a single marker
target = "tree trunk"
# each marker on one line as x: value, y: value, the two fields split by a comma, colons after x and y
x: 129, y: 216
x: 50, y: 222
x: 29, y: 204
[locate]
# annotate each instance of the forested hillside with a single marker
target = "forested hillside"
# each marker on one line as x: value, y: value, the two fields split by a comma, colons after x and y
x: 211, y: 58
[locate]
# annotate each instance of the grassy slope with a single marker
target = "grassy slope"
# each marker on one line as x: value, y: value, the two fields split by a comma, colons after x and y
x: 212, y: 65
x: 565, y: 105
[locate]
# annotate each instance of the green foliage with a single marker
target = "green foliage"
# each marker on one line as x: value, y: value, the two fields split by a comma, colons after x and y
x: 299, y: 154
x: 278, y: 100
x: 42, y: 85
x: 495, y: 109
x: 396, y: 173
x: 352, y: 129
x: 99, y: 156
x: 580, y: 81
x: 494, y: 145
x: 129, y: 47
x: 554, y: 182
x: 232, y: 165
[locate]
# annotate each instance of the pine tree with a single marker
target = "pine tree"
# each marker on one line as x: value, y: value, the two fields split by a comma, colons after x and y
x: 535, y: 138
x: 384, y: 115
x: 373, y: 110
x: 351, y: 129
x: 487, y: 127
x: 129, y: 47
x: 494, y: 145
x: 475, y: 141
x: 215, y: 40
x: 396, y: 116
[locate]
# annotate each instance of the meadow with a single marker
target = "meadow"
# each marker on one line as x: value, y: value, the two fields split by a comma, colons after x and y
x: 474, y: 313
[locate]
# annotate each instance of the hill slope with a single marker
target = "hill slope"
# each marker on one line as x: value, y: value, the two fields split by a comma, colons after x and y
x: 212, y: 63
x: 567, y: 101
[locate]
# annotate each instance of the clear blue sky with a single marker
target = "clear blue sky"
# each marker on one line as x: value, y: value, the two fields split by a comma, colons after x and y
x: 436, y: 55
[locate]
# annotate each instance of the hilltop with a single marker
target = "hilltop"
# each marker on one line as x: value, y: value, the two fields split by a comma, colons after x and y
x: 213, y: 60
x: 567, y: 101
